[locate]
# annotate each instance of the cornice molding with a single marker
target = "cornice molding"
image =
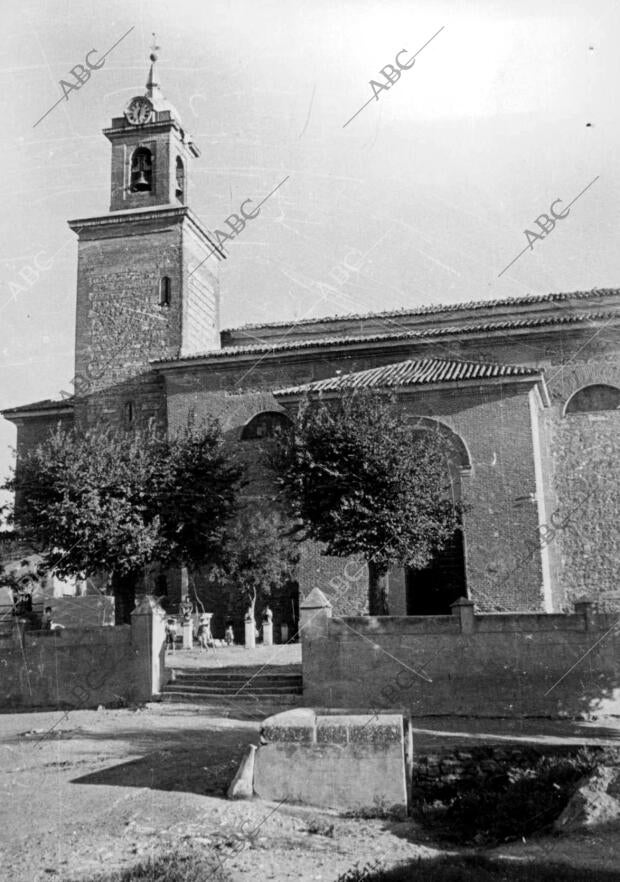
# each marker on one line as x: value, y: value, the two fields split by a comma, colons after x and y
x: 171, y: 213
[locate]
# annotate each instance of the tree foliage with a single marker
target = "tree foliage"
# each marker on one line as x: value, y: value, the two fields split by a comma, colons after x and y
x: 362, y: 480
x: 258, y: 556
x: 104, y: 501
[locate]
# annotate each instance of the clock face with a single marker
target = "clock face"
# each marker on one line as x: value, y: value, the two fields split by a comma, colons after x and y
x: 139, y: 111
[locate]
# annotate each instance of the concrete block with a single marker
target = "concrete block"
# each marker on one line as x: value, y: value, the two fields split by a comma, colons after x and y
x: 297, y: 725
x: 349, y: 763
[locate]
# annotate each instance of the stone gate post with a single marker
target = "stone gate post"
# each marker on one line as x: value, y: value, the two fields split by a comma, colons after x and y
x: 315, y: 611
x: 148, y: 638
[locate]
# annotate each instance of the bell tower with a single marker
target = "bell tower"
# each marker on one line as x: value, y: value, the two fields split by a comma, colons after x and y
x: 151, y: 152
x: 147, y: 286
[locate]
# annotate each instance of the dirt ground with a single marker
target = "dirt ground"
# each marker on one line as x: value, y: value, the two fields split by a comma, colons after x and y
x: 95, y: 789
x: 86, y: 791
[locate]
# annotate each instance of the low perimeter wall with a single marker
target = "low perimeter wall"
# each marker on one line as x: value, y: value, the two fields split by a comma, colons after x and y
x: 451, y: 770
x: 85, y: 667
x: 498, y: 665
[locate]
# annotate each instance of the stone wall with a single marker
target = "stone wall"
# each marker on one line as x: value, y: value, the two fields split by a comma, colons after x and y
x: 442, y: 775
x: 586, y: 449
x: 85, y: 667
x: 121, y: 323
x: 502, y: 665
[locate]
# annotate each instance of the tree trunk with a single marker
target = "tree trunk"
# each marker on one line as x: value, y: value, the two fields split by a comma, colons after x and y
x: 124, y: 589
x: 191, y: 579
x: 378, y: 587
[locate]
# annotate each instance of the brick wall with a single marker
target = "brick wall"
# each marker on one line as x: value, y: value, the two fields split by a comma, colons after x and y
x: 35, y: 430
x: 165, y: 145
x: 500, y: 518
x: 201, y: 307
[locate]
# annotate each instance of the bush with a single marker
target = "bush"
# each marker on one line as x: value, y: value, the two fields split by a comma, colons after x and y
x: 515, y: 803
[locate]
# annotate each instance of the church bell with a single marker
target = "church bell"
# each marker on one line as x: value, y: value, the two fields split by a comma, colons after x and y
x: 141, y: 182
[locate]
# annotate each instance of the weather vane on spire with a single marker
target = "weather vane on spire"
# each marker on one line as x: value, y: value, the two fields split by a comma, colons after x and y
x: 152, y: 85
x: 154, y: 48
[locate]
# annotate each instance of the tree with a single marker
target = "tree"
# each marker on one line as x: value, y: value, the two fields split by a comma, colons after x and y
x: 258, y: 556
x: 104, y: 501
x: 362, y: 481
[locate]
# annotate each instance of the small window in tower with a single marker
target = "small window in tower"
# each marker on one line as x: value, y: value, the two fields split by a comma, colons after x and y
x: 164, y: 291
x: 141, y: 171
x: 180, y: 189
x: 129, y: 413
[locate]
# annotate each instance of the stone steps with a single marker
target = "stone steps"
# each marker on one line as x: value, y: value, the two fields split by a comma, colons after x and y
x: 209, y: 698
x: 237, y: 681
x: 251, y: 689
x: 212, y: 686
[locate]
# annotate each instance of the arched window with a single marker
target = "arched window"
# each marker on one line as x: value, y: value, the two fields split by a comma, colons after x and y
x: 164, y: 291
x: 268, y: 424
x: 180, y: 172
x: 455, y: 448
x: 141, y: 171
x: 592, y: 399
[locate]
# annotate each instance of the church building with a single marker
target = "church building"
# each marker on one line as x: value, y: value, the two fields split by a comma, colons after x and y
x: 526, y: 391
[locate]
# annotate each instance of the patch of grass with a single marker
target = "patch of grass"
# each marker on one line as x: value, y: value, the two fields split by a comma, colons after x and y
x: 363, y: 873
x: 181, y: 865
x: 476, y: 869
x: 380, y: 809
x: 320, y: 826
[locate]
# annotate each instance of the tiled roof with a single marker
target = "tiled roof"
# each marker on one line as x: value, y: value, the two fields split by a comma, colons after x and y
x: 414, y: 372
x: 46, y: 404
x: 560, y: 297
x: 285, y: 344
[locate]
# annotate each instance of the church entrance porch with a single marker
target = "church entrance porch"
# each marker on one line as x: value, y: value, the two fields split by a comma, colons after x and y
x: 432, y: 590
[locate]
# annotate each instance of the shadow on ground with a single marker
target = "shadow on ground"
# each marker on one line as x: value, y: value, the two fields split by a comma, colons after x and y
x: 195, y: 760
x: 475, y: 868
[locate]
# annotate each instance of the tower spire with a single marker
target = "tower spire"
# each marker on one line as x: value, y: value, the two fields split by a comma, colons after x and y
x: 152, y: 85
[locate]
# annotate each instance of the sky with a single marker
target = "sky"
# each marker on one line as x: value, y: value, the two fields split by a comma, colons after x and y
x: 510, y: 106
